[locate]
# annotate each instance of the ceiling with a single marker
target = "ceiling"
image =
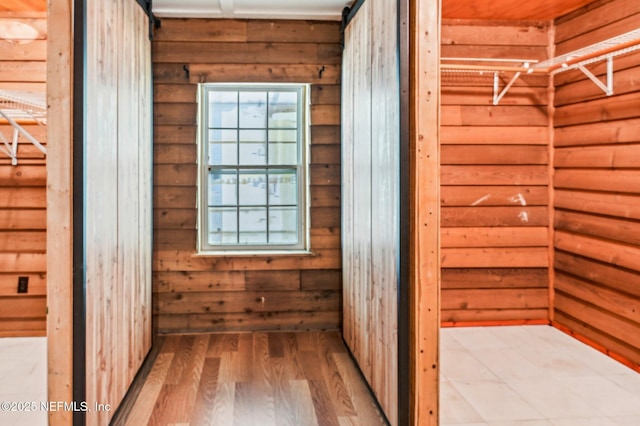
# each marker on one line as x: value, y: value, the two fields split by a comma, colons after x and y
x: 260, y: 9
x: 534, y: 10
x: 331, y: 9
x: 23, y: 6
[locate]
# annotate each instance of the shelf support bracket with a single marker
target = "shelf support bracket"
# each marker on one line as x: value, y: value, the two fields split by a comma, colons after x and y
x: 608, y: 88
x: 12, y: 146
x: 497, y: 94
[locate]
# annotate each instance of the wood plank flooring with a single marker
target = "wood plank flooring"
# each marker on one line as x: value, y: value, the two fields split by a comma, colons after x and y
x: 278, y: 378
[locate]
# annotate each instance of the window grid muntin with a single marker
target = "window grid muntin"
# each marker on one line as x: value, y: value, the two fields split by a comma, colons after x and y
x: 299, y: 169
x: 268, y: 205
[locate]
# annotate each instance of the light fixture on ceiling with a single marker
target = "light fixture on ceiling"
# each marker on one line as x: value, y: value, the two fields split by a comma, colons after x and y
x: 17, y: 32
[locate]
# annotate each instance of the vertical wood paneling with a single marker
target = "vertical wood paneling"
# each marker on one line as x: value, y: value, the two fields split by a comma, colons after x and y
x: 117, y: 200
x: 232, y: 293
x: 597, y: 227
x: 361, y: 280
x: 22, y: 193
x: 371, y: 196
x: 494, y: 179
x: 101, y: 197
x: 385, y: 200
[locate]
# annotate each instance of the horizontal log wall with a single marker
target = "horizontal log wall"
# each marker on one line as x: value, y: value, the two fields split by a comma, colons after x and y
x: 243, y: 292
x: 597, y: 186
x: 494, y: 180
x: 22, y: 193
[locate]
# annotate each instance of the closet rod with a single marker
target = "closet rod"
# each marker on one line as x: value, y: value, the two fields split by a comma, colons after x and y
x: 490, y: 68
x: 552, y: 65
x: 593, y: 55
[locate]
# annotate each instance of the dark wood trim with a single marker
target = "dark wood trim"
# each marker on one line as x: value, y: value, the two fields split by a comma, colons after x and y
x: 404, y: 256
x: 595, y: 345
x: 79, y: 384
x: 502, y: 323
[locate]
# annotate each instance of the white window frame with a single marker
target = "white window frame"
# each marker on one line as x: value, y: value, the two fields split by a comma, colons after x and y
x: 303, y: 245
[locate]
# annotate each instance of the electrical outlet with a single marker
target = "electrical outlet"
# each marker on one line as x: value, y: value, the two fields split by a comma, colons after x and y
x: 23, y: 284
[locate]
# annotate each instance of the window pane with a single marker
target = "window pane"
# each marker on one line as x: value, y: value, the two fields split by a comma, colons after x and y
x: 223, y: 225
x: 252, y: 150
x: 283, y: 147
x: 253, y: 188
x: 283, y: 225
x: 253, y: 225
x: 283, y: 109
x: 223, y: 109
x: 223, y: 148
x: 223, y: 188
x: 253, y: 147
x: 283, y: 187
x: 253, y: 110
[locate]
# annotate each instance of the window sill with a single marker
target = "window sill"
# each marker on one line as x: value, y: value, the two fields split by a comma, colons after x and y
x: 248, y: 253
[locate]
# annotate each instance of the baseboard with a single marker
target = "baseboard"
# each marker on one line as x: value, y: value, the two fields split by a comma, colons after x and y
x: 587, y: 341
x: 449, y: 324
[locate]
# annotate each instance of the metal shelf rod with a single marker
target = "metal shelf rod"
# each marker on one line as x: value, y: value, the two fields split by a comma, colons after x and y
x: 565, y: 62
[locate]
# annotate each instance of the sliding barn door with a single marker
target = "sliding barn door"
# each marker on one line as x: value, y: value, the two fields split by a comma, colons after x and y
x: 99, y: 197
x: 371, y: 196
x: 117, y: 200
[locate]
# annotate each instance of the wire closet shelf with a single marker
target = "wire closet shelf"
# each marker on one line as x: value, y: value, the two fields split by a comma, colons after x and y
x: 23, y: 118
x: 578, y: 59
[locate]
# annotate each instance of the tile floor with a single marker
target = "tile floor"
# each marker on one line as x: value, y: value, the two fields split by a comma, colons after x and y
x: 532, y: 376
x: 23, y: 378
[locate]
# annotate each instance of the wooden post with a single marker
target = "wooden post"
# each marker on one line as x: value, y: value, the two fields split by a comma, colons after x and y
x: 59, y: 207
x: 425, y: 208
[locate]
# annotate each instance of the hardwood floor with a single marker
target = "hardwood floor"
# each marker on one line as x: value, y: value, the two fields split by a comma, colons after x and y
x: 279, y: 378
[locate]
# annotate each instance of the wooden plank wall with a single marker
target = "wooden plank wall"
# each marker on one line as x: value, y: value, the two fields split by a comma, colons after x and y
x: 424, y: 36
x: 60, y: 204
x: 597, y: 186
x: 224, y: 293
x: 22, y: 191
x: 370, y: 186
x: 117, y: 200
x: 494, y: 180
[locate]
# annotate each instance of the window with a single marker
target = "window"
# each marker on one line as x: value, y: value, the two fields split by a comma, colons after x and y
x: 253, y: 167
